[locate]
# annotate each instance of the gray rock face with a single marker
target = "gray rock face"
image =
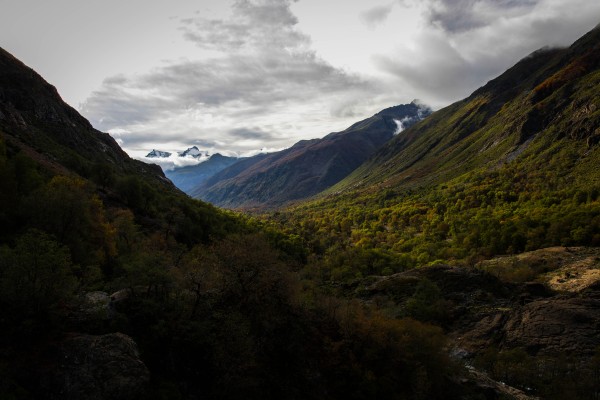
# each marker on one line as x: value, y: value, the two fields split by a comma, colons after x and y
x: 544, y: 327
x: 569, y: 325
x: 97, y: 367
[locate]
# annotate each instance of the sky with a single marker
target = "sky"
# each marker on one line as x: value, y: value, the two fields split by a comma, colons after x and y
x: 244, y: 76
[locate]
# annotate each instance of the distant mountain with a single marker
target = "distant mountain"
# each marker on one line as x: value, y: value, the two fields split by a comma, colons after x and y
x: 158, y: 154
x: 190, y: 177
x: 308, y: 167
x: 193, y: 151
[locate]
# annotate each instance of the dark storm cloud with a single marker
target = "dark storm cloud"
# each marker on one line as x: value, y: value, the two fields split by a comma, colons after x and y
x: 112, y: 105
x: 204, y: 144
x: 254, y: 25
x: 148, y: 138
x: 254, y: 83
x: 441, y: 71
x: 464, y: 15
x: 215, y: 34
x: 376, y: 15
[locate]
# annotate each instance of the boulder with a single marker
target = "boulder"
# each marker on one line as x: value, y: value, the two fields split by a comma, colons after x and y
x: 95, y: 367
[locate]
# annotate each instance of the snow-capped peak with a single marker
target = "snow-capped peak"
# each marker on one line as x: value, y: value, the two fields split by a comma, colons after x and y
x: 158, y: 154
x: 193, y: 151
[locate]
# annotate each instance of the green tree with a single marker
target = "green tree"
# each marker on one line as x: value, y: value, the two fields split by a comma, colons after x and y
x: 427, y: 303
x: 36, y: 274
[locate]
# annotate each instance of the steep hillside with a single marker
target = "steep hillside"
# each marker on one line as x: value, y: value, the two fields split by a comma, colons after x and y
x: 308, y: 167
x: 548, y: 102
x: 34, y: 118
x: 190, y: 177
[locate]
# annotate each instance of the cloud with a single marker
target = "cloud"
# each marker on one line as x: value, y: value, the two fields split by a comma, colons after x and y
x: 256, y: 133
x: 463, y: 15
x: 241, y: 32
x: 376, y: 15
x: 439, y: 72
x: 255, y: 80
x: 258, y: 70
x: 173, y: 161
x: 468, y: 42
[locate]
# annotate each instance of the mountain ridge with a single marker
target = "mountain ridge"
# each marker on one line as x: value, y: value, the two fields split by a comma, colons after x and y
x: 306, y: 168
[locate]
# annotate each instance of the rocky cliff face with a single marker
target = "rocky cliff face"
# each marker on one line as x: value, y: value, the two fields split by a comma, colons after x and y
x: 559, y: 313
x: 551, y: 326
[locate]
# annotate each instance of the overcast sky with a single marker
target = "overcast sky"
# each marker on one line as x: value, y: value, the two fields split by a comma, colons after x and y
x: 243, y: 75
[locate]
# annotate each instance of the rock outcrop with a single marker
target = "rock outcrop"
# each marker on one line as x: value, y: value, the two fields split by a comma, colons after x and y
x: 483, y: 311
x: 556, y: 325
x: 90, y: 367
x: 553, y: 326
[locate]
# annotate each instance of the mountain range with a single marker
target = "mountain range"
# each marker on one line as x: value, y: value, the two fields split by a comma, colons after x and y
x: 193, y: 152
x: 158, y: 154
x: 309, y: 166
x: 190, y: 177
